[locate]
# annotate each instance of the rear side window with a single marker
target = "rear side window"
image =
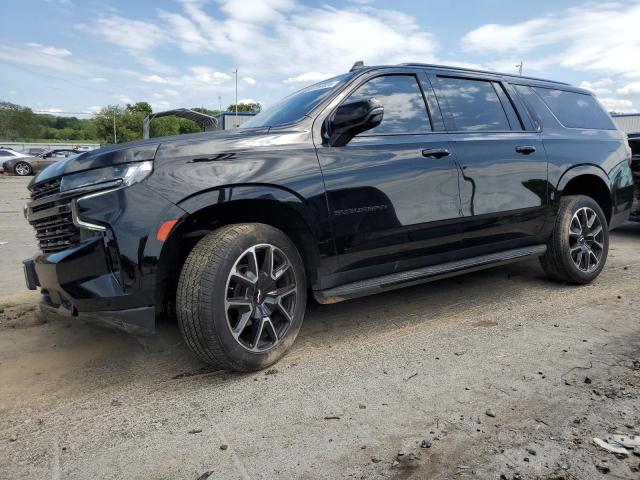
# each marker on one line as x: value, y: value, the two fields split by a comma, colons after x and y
x: 404, y: 107
x: 576, y: 110
x: 471, y: 105
x: 4, y: 153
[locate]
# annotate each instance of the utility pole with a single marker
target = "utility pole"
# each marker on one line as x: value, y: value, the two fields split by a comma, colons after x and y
x: 236, y: 71
x: 519, y: 67
x: 220, y: 103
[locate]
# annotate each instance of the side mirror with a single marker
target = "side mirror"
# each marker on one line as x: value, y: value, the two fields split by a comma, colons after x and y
x: 353, y: 118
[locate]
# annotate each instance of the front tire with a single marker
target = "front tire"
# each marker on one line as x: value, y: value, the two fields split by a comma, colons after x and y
x: 241, y: 297
x: 579, y: 244
x: 22, y: 169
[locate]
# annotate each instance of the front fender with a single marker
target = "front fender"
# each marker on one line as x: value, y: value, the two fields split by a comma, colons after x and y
x: 230, y: 193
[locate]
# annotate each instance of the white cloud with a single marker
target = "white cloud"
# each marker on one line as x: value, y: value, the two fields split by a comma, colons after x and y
x: 617, y: 105
x: 62, y: 52
x: 249, y: 80
x: 599, y: 87
x: 123, y: 98
x: 52, y: 51
x: 94, y: 109
x: 632, y: 88
x: 162, y: 104
x: 246, y: 101
x: 283, y: 37
x: 132, y: 35
x: 594, y: 36
x: 208, y: 75
x: 309, y: 77
x: 154, y: 79
x: 98, y: 79
x: 172, y: 93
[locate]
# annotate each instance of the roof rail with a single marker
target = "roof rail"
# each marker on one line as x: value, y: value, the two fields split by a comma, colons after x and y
x: 462, y: 69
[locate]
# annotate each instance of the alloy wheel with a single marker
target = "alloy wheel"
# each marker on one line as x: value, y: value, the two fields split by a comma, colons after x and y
x: 23, y: 169
x: 260, y: 297
x: 586, y: 239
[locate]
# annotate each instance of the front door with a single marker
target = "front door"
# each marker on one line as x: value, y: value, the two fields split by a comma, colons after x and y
x: 392, y: 191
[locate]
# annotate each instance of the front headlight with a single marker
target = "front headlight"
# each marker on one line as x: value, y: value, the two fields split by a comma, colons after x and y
x: 124, y: 174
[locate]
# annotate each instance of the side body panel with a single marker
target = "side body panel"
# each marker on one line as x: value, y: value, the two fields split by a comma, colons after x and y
x: 503, y: 192
x: 391, y: 208
x: 580, y: 151
x: 278, y: 165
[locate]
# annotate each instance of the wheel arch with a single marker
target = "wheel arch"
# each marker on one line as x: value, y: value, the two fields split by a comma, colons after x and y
x: 589, y: 180
x: 217, y: 207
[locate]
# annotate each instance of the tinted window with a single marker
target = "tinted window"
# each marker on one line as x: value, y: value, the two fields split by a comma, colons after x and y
x: 4, y: 153
x: 576, y: 110
x: 296, y: 105
x: 471, y: 105
x: 404, y: 107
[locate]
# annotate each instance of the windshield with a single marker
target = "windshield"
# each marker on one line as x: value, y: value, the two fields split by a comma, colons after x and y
x: 296, y: 105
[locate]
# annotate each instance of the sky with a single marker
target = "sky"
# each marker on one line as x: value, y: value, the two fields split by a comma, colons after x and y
x: 78, y: 56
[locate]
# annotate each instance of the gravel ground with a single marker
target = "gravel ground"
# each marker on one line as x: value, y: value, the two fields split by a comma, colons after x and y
x: 502, y: 374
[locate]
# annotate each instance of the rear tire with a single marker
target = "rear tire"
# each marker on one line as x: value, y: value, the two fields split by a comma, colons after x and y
x: 22, y: 169
x: 241, y: 297
x: 578, y: 248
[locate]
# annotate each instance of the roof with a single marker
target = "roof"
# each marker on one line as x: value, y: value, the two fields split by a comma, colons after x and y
x: 462, y: 69
x: 240, y: 114
x: 625, y: 114
x: 202, y: 119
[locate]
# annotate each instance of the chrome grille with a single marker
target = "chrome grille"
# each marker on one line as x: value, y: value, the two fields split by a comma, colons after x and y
x: 51, y: 217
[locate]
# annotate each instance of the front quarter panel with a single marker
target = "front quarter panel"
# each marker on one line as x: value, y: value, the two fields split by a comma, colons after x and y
x: 278, y: 165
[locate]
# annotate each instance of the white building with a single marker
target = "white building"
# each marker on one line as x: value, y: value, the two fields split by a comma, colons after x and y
x: 627, y: 122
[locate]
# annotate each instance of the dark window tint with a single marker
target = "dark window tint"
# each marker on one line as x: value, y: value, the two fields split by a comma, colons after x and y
x: 4, y: 153
x: 296, y: 105
x: 404, y: 107
x: 576, y: 110
x: 471, y: 105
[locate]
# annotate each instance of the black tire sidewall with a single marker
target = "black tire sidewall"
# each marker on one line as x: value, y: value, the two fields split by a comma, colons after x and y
x: 562, y: 239
x: 212, y: 311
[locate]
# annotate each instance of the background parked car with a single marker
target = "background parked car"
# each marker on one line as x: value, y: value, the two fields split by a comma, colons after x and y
x: 10, y: 158
x: 19, y: 164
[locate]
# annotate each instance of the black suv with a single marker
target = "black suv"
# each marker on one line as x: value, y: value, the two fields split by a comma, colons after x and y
x: 373, y: 180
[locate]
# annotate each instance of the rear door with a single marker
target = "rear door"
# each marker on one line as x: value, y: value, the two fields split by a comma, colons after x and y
x: 502, y: 162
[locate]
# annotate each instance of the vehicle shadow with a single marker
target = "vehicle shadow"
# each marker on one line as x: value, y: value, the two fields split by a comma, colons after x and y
x: 628, y: 230
x: 325, y: 325
x: 164, y: 356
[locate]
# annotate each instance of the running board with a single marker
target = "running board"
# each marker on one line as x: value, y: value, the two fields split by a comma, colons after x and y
x: 425, y: 274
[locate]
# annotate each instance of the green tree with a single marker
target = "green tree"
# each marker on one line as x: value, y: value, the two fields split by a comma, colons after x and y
x: 18, y: 122
x: 167, y: 126
x: 188, y: 126
x: 206, y: 111
x: 140, y: 107
x: 245, y: 107
x: 164, y: 127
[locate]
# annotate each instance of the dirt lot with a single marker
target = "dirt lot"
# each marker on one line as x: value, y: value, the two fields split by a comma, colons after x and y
x: 501, y: 374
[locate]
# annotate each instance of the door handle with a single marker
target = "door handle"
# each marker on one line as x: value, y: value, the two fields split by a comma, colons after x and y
x: 526, y: 149
x: 435, y: 152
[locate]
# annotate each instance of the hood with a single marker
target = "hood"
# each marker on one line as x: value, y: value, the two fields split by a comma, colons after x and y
x: 102, y: 157
x: 132, y: 152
